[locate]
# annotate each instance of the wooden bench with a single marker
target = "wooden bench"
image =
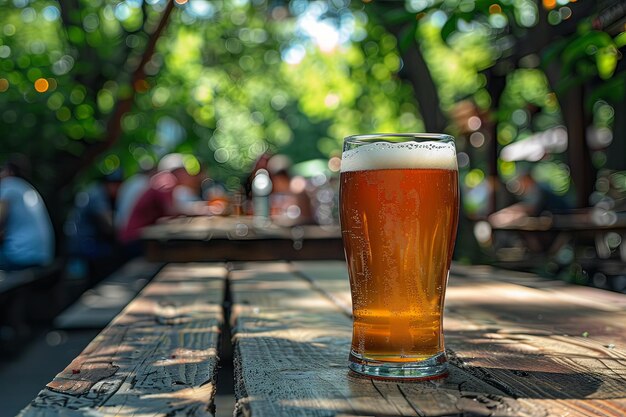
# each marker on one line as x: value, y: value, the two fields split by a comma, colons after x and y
x: 21, y: 306
x: 157, y: 358
x: 97, y: 306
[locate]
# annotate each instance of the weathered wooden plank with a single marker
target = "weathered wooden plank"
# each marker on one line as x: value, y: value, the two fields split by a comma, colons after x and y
x: 581, y: 407
x: 532, y: 344
x: 157, y: 358
x: 291, y: 350
x: 576, y: 294
x: 563, y: 354
x: 329, y: 277
x: 98, y: 306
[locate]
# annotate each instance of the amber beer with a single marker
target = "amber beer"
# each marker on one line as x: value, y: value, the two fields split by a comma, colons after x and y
x: 399, y: 211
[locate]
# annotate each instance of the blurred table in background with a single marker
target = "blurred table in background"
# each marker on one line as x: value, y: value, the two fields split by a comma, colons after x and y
x: 593, y: 238
x: 241, y: 238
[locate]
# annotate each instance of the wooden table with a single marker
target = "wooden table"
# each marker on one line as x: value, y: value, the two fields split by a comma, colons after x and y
x: 191, y: 239
x: 582, y: 228
x: 518, y: 346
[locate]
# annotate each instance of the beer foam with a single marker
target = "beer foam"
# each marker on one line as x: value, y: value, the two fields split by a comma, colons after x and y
x: 389, y: 155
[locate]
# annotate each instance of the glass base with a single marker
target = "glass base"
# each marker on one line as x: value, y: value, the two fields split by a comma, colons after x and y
x: 430, y: 368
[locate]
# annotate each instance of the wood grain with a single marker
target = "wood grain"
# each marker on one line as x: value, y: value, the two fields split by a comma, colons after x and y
x: 291, y: 350
x: 157, y: 358
x: 551, y: 346
x: 518, y: 346
x: 99, y: 305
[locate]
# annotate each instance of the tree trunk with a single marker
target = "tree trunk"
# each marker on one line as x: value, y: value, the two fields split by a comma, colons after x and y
x: 415, y: 69
x: 417, y: 73
x: 496, y: 83
x: 576, y: 122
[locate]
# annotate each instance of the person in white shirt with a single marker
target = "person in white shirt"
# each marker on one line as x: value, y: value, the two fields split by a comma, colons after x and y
x: 26, y: 233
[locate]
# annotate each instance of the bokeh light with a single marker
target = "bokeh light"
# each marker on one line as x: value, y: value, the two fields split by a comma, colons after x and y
x: 297, y: 76
x: 549, y: 4
x: 334, y: 164
x: 495, y: 8
x: 41, y: 85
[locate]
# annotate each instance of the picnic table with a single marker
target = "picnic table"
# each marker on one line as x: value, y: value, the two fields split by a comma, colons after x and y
x: 603, y: 231
x: 518, y: 345
x: 238, y: 238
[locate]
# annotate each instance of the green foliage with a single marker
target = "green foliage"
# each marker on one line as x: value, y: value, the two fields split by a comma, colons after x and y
x: 233, y: 79
x: 228, y: 85
x: 219, y: 85
x: 584, y: 56
x: 456, y: 67
x: 62, y: 69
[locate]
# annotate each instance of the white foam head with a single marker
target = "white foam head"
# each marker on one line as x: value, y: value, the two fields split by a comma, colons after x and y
x: 389, y: 155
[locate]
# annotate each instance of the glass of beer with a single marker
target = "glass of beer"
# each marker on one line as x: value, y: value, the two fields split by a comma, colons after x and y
x: 399, y: 203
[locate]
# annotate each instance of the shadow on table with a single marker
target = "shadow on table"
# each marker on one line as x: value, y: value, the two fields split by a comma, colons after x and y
x: 287, y: 387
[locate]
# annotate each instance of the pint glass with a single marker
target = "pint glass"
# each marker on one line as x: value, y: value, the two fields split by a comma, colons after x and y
x: 399, y: 202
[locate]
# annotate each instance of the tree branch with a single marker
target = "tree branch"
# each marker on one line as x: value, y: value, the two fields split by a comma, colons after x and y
x: 124, y: 105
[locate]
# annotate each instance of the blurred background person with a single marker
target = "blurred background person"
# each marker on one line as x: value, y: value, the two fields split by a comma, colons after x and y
x: 533, y: 199
x: 289, y: 203
x: 129, y: 192
x: 90, y: 234
x: 26, y: 233
x: 218, y: 199
x: 172, y: 191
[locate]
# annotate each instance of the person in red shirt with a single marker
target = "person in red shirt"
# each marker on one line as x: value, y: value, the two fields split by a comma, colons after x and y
x: 172, y: 191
